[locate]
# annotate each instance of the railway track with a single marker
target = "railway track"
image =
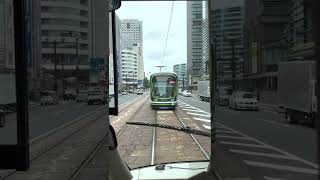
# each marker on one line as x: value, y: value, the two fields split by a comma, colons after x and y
x: 101, y: 144
x: 36, y: 155
x: 144, y: 146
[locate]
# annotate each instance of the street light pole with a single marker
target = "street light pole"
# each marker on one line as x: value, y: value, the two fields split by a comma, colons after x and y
x: 233, y: 66
x: 183, y: 81
x: 55, y: 65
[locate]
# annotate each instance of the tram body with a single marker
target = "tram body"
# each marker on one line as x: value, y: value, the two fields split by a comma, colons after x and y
x: 163, y: 90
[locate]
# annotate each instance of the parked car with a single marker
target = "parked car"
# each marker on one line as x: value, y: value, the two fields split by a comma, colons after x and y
x: 82, y: 96
x: 204, y: 90
x: 97, y: 96
x: 243, y: 100
x: 186, y: 93
x: 69, y: 95
x: 48, y: 98
x: 2, y: 118
x: 124, y: 93
x: 139, y: 91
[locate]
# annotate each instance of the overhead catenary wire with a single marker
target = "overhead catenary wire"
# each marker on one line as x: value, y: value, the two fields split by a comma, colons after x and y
x: 167, y: 35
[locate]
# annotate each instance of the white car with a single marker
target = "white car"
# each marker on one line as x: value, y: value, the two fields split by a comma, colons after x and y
x: 48, y: 98
x: 139, y: 91
x: 82, y: 96
x: 243, y: 100
x: 97, y: 96
x: 124, y: 93
x: 186, y: 94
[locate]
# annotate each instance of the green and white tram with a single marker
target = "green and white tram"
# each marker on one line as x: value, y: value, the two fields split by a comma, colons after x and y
x: 163, y: 90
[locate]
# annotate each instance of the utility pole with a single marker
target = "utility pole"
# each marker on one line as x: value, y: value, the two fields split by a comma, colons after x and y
x: 160, y: 66
x: 55, y: 65
x: 233, y: 66
x: 183, y: 81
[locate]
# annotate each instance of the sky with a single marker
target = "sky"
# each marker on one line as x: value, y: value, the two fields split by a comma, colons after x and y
x: 155, y: 17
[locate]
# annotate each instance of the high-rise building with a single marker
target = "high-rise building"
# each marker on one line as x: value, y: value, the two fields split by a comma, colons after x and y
x: 205, y: 43
x: 130, y: 65
x: 118, y: 49
x: 181, y: 71
x: 65, y: 35
x: 298, y: 32
x: 73, y: 32
x: 194, y: 41
x: 227, y: 22
x: 132, y: 35
x: 265, y: 45
x: 6, y: 36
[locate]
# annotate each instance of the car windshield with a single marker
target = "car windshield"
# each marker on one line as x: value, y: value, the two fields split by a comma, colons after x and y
x: 95, y: 92
x: 247, y: 96
x: 47, y: 93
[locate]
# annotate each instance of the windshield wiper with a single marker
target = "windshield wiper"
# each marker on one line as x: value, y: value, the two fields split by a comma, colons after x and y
x: 182, y: 129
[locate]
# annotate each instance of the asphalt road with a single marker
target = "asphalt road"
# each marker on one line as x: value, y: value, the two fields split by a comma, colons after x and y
x: 252, y: 136
x: 45, y: 118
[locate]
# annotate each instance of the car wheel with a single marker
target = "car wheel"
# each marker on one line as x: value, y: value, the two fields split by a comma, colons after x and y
x: 2, y: 122
x: 289, y: 118
x: 235, y: 106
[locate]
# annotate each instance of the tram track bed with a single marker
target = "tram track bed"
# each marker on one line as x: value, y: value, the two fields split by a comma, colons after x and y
x: 65, y: 151
x: 143, y: 146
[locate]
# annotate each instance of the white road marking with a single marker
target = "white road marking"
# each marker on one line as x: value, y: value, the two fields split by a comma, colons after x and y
x: 64, y: 125
x: 275, y: 123
x: 269, y: 155
x: 207, y: 127
x: 200, y: 119
x: 196, y: 114
x: 223, y: 131
x: 274, y: 148
x: 191, y: 110
x: 272, y: 178
x: 243, y: 144
x: 198, y: 109
x: 232, y: 137
x: 282, y: 167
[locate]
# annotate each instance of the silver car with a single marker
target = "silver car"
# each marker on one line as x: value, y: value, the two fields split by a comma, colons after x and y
x: 48, y: 98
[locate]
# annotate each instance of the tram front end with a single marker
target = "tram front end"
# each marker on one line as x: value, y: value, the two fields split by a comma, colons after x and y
x: 163, y: 91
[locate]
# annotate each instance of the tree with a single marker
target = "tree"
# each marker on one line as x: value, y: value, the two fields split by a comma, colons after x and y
x: 146, y: 83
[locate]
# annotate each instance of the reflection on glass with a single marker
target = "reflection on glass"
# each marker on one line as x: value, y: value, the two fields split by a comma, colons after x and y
x: 8, y: 116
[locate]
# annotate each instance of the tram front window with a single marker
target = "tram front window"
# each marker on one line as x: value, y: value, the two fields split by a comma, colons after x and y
x: 163, y: 88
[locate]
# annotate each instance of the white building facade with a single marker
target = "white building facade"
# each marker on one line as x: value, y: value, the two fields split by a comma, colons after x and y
x: 181, y: 71
x: 129, y: 65
x: 132, y: 36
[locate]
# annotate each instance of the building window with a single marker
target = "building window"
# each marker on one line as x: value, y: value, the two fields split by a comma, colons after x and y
x: 128, y: 25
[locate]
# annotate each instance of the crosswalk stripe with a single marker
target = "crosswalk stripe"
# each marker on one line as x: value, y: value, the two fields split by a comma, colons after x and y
x: 272, y: 178
x: 237, y: 151
x: 282, y: 167
x: 201, y: 119
x: 314, y: 165
x: 232, y: 137
x: 224, y: 131
x: 196, y: 114
x: 191, y: 110
x: 207, y: 127
x: 243, y: 144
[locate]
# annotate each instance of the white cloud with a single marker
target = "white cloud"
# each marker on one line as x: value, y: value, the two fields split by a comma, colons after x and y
x: 155, y: 16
